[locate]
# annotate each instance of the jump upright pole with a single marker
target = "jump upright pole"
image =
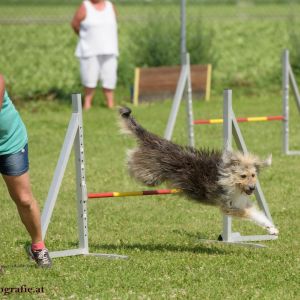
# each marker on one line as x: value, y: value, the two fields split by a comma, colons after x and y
x: 287, y: 77
x: 183, y: 32
x: 184, y: 81
x: 285, y: 101
x: 227, y: 144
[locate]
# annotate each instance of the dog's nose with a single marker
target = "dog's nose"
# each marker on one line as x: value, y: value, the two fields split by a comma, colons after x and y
x: 252, y: 187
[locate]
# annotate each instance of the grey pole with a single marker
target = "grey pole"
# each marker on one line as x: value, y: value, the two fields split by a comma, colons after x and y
x: 285, y: 100
x: 80, y: 178
x: 59, y: 173
x: 294, y: 86
x: 227, y: 133
x: 240, y: 142
x: 183, y: 32
x: 189, y: 104
x: 176, y: 102
x: 183, y: 75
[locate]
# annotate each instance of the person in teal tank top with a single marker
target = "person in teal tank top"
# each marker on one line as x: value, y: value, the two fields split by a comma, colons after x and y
x: 14, y: 168
x: 13, y: 135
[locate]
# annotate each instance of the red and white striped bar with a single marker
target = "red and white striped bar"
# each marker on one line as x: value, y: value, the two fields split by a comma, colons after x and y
x: 240, y: 120
x: 134, y: 193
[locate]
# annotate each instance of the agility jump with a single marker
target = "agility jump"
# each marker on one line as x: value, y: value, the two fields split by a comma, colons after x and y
x: 74, y: 139
x: 288, y: 78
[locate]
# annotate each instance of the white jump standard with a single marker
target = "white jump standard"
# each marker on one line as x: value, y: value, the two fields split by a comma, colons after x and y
x: 74, y: 137
x: 231, y: 129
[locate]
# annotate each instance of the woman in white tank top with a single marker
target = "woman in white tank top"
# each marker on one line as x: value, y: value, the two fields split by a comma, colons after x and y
x: 97, y: 49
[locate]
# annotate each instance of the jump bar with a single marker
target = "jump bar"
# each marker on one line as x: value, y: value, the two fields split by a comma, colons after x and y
x: 240, y: 120
x: 134, y: 193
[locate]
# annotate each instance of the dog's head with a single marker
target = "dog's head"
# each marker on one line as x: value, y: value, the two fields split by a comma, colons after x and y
x: 240, y: 171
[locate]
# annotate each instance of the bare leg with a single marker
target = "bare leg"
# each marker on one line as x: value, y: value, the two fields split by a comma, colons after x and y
x: 109, y: 97
x: 88, y: 97
x: 20, y: 191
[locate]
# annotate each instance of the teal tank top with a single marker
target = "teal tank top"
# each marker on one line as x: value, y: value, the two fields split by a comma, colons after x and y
x: 13, y: 135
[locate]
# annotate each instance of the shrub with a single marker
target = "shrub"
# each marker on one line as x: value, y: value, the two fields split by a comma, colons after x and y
x: 156, y: 41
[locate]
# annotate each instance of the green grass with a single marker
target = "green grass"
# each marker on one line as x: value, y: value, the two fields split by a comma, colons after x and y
x: 38, y: 59
x: 159, y: 234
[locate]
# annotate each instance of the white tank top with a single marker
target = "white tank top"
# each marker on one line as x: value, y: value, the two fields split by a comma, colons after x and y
x: 98, y: 31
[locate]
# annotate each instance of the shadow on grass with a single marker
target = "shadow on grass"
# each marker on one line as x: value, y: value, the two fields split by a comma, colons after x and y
x: 198, y: 248
x: 30, y: 264
x: 190, y: 235
x: 196, y: 243
x: 16, y: 266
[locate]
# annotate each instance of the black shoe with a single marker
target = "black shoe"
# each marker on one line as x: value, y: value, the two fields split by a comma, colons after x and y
x: 41, y: 257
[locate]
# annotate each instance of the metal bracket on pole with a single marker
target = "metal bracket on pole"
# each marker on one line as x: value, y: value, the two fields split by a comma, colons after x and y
x: 74, y: 137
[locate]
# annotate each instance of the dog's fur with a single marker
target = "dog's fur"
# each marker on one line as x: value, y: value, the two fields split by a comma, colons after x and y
x: 223, y: 179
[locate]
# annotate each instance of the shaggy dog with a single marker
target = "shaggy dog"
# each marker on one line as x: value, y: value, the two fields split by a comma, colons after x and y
x: 224, y: 179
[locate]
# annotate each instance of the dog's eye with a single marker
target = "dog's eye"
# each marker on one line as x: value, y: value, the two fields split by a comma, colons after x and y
x: 253, y: 175
x: 243, y: 176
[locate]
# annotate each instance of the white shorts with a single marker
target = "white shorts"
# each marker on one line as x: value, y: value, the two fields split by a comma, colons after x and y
x: 99, y: 68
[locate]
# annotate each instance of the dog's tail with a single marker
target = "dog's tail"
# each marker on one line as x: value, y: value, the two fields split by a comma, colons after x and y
x: 129, y: 125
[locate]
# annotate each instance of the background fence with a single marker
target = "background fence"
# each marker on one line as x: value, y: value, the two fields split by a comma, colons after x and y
x: 242, y: 39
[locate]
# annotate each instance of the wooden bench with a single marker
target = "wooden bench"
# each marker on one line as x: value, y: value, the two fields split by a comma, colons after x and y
x: 157, y: 83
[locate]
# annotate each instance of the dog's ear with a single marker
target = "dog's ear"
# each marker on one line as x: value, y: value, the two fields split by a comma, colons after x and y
x: 230, y: 158
x: 263, y: 163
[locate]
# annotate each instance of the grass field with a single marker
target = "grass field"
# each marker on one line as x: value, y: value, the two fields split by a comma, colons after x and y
x: 161, y: 235
x: 248, y: 43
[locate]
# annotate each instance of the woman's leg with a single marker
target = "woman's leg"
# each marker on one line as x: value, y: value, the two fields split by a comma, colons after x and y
x: 89, y: 73
x: 88, y: 97
x: 20, y: 191
x: 109, y: 97
x: 109, y: 65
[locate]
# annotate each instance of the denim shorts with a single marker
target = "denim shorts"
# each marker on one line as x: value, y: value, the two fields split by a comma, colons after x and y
x: 15, y: 164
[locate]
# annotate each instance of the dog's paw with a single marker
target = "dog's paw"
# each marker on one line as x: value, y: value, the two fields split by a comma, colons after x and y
x: 273, y: 230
